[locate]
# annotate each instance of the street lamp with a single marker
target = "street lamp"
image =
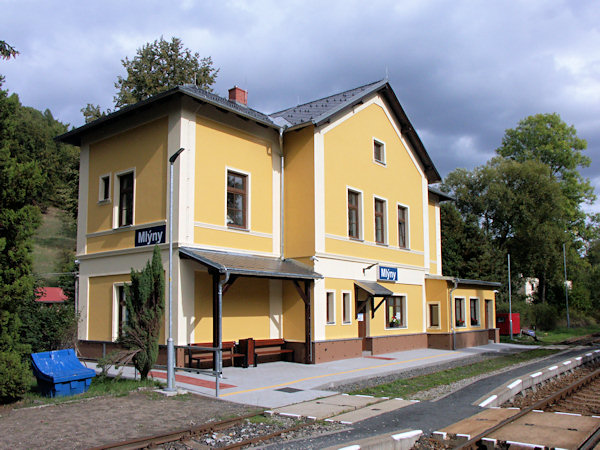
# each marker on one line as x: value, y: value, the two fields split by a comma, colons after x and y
x: 170, y: 346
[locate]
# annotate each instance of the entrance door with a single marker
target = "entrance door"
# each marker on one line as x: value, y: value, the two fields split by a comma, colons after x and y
x: 489, y: 314
x: 362, y: 317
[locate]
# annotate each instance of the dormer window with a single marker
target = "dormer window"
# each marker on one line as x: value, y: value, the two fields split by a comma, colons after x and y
x: 378, y: 151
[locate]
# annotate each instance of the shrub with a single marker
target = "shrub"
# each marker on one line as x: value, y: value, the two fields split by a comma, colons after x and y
x: 545, y: 317
x: 14, y: 376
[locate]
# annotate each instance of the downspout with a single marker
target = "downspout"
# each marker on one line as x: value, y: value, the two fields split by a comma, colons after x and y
x: 219, y: 352
x: 455, y: 281
x: 281, y: 193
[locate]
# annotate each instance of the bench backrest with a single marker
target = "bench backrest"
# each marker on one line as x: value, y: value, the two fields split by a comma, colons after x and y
x: 226, y: 345
x: 268, y: 342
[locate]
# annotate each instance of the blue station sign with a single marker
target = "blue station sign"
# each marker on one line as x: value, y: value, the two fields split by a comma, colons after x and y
x: 387, y: 273
x: 150, y: 236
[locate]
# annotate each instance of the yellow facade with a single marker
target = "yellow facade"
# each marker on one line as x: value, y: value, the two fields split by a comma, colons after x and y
x: 440, y: 291
x: 245, y: 309
x: 414, y: 312
x: 299, y: 195
x: 349, y: 164
x: 322, y: 160
x: 340, y: 329
x: 142, y: 149
x: 220, y: 148
x: 433, y: 208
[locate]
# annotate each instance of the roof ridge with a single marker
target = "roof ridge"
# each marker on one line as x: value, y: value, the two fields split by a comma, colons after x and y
x: 325, y: 98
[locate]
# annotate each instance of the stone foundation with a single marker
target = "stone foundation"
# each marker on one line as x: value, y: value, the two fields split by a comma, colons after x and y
x: 464, y: 339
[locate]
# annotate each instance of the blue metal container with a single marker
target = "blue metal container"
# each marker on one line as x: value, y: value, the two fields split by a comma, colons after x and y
x: 60, y: 373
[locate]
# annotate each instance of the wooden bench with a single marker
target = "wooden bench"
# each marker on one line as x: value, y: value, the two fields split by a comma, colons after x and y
x: 199, y: 356
x: 269, y: 347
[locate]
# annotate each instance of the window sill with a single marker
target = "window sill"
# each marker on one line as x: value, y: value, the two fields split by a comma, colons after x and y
x: 233, y: 227
x: 347, y: 323
x: 106, y: 201
x: 356, y: 239
x: 382, y: 244
x: 380, y: 163
x: 397, y: 328
x: 330, y: 323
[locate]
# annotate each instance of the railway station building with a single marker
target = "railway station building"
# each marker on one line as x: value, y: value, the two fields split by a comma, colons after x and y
x: 318, y: 224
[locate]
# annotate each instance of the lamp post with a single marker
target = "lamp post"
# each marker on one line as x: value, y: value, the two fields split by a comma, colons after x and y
x: 170, y: 346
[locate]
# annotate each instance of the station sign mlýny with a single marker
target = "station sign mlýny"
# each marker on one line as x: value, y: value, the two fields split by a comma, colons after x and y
x: 150, y: 236
x: 387, y: 273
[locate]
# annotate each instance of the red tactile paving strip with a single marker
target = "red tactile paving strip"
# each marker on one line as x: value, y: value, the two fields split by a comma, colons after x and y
x: 191, y: 380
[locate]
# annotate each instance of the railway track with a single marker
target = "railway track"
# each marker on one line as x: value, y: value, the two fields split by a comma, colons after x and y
x: 194, y: 436
x: 576, y: 405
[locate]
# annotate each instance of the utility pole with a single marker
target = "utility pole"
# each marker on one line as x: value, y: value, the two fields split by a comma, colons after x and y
x: 566, y: 285
x: 510, y: 301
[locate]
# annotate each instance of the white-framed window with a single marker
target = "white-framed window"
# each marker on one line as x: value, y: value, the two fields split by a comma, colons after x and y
x: 124, y: 205
x: 380, y: 222
x: 354, y: 200
x: 378, y: 151
x: 459, y: 312
x: 237, y: 198
x: 104, y: 188
x: 395, y: 312
x: 330, y: 299
x: 474, y: 312
x: 119, y: 311
x: 403, y: 229
x: 433, y: 315
x: 346, y: 308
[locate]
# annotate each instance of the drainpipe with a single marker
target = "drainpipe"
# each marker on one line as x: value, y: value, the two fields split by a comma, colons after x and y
x: 219, y: 314
x: 455, y: 281
x: 281, y: 193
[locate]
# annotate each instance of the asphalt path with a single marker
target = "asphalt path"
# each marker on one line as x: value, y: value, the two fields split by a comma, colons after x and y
x: 428, y: 416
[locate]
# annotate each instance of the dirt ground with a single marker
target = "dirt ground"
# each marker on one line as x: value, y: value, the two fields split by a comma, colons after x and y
x: 100, y: 421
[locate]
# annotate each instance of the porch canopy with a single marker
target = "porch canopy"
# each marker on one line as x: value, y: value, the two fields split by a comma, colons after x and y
x: 234, y: 265
x: 373, y: 289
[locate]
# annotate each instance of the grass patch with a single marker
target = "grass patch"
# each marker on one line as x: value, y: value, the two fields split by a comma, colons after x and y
x: 406, y: 387
x: 553, y: 337
x: 100, y: 387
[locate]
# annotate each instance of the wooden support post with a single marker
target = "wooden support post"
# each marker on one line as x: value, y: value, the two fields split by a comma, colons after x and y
x: 305, y: 295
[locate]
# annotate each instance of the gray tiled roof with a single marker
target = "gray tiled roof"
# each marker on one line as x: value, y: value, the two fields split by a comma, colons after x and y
x: 317, y: 110
x: 209, y: 97
x: 249, y: 265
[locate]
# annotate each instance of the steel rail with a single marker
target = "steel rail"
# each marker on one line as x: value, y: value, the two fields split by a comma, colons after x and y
x: 472, y: 443
x: 176, y: 435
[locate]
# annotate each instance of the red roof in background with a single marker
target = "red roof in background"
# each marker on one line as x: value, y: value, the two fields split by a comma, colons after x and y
x: 50, y: 295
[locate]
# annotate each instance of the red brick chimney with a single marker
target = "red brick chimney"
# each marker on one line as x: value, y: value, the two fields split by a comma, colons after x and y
x: 238, y: 95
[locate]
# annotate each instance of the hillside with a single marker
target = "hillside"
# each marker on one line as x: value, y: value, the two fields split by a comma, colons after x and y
x: 53, y: 243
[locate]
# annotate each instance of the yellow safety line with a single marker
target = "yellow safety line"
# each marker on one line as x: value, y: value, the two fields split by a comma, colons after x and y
x: 332, y: 374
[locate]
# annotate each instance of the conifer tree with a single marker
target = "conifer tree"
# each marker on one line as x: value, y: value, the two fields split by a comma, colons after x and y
x: 145, y: 305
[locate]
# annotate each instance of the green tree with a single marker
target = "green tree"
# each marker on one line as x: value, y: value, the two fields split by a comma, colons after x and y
x: 511, y: 207
x: 145, y: 305
x: 7, y: 51
x: 549, y: 140
x: 159, y: 66
x: 21, y: 183
x: 92, y: 112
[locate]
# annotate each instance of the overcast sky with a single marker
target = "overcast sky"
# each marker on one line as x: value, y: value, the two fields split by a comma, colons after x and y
x: 464, y: 71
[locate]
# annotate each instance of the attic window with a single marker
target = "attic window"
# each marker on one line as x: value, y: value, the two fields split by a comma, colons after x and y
x: 104, y: 189
x: 378, y: 151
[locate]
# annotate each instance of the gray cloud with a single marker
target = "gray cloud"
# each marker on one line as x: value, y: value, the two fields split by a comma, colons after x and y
x: 464, y: 71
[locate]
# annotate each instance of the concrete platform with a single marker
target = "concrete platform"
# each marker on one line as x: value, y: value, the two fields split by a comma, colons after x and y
x: 539, y: 429
x: 326, y: 407
x: 276, y: 384
x: 370, y: 411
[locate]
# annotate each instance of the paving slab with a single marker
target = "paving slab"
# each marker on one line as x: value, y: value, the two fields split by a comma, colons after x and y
x: 371, y: 411
x: 540, y: 429
x: 326, y: 407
